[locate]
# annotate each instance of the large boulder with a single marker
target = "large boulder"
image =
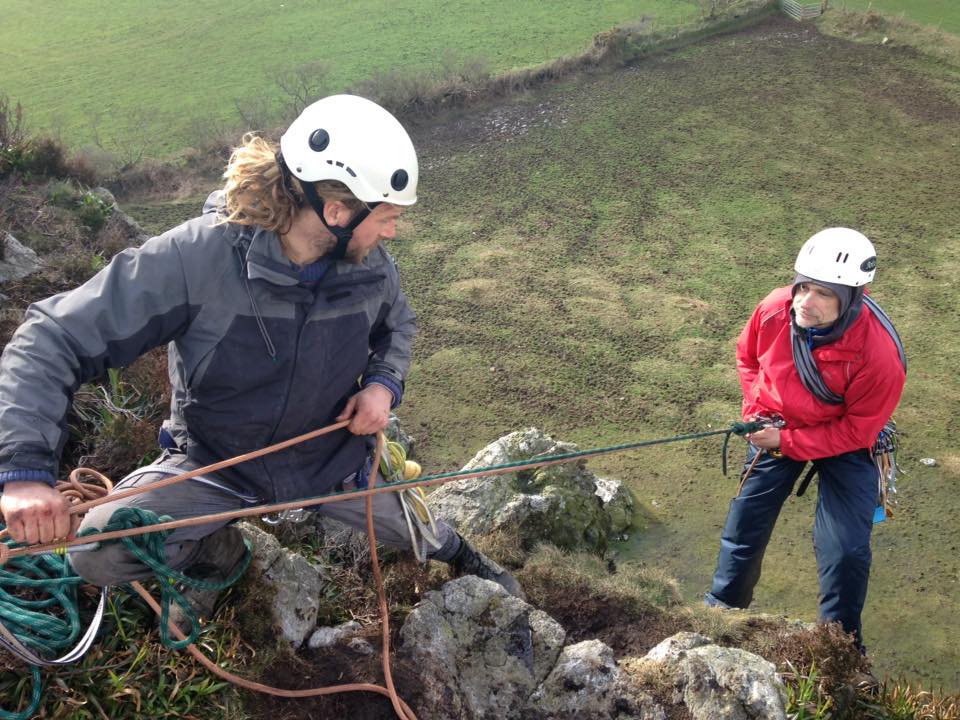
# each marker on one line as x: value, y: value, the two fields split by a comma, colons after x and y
x: 297, y: 583
x: 717, y: 683
x: 565, y: 504
x: 477, y: 651
x: 16, y: 260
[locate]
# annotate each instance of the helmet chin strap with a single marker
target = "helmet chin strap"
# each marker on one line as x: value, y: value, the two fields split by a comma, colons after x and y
x: 341, y: 233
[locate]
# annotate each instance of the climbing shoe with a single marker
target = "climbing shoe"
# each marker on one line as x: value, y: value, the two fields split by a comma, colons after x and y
x: 219, y: 557
x: 470, y: 561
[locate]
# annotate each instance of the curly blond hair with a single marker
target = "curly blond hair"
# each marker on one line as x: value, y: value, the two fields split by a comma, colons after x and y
x: 256, y: 193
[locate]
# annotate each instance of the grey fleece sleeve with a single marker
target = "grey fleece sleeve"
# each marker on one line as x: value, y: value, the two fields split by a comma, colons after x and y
x: 139, y: 301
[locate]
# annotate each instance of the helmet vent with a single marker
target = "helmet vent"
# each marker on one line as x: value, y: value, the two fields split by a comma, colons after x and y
x: 341, y: 165
x: 399, y: 180
x: 319, y: 140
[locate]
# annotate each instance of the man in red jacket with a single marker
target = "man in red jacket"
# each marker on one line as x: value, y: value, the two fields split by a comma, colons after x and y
x: 821, y: 355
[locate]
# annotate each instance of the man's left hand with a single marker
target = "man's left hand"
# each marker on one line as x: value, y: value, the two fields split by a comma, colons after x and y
x: 768, y: 438
x: 368, y: 410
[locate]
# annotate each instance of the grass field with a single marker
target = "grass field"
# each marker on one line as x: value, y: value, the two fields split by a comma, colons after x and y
x: 583, y: 258
x: 944, y: 14
x: 162, y: 74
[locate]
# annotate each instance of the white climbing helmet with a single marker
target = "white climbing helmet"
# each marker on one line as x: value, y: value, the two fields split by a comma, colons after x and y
x: 353, y: 140
x: 838, y: 255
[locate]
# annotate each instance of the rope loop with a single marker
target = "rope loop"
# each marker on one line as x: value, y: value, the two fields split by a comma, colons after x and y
x: 149, y: 549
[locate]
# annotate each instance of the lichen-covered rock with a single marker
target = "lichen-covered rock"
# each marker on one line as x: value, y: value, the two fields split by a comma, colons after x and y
x: 719, y: 683
x: 297, y: 583
x: 586, y: 684
x: 478, y: 651
x: 566, y: 504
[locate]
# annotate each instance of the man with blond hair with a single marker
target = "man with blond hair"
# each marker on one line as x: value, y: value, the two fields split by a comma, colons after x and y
x: 272, y: 304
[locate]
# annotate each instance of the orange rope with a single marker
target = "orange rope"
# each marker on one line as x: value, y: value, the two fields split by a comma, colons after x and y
x: 84, y: 496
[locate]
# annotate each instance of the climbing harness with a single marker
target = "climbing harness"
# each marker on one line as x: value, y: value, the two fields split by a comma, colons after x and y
x: 402, y: 477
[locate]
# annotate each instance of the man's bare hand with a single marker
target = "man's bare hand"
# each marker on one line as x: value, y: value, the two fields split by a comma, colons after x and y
x: 368, y: 410
x: 768, y: 438
x: 35, y: 513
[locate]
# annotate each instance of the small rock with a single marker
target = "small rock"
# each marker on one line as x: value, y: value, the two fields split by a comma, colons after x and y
x: 329, y: 636
x: 16, y: 260
x: 360, y: 646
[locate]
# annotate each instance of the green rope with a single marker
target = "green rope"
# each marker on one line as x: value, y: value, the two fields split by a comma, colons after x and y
x: 36, y: 694
x: 51, y: 585
x: 738, y: 428
x: 149, y: 549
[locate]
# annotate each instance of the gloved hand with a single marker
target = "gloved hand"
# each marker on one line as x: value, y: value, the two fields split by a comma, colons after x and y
x: 34, y: 512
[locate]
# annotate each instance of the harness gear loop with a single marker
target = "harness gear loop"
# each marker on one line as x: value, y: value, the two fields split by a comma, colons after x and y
x: 421, y: 524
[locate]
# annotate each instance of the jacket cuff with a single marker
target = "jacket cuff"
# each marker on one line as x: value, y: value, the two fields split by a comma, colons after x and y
x: 23, y: 475
x: 389, y: 383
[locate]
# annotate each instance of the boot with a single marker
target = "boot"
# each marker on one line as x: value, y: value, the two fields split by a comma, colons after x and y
x: 470, y: 561
x: 218, y: 557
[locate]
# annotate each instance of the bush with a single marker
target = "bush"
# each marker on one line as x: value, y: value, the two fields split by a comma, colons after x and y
x: 93, y: 212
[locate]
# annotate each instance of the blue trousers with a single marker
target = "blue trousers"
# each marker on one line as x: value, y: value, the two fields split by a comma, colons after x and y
x: 846, y: 500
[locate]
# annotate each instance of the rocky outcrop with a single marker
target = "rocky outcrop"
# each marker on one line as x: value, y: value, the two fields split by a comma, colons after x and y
x: 566, y: 505
x: 479, y: 652
x: 586, y: 684
x: 120, y: 229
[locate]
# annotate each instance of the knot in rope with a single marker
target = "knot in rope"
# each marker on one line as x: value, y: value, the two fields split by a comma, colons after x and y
x: 740, y: 428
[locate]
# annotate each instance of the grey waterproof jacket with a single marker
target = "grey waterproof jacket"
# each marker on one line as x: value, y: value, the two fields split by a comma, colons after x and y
x: 254, y: 358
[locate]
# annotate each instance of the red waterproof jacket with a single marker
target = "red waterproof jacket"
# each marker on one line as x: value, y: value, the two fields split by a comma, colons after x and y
x: 862, y: 365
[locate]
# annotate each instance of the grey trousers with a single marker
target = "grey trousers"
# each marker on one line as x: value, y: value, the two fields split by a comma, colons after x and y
x: 111, y: 563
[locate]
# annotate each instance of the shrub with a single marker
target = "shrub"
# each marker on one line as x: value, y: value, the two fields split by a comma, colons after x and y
x: 93, y: 212
x: 46, y: 158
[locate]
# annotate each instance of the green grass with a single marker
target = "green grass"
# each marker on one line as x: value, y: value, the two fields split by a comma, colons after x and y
x: 590, y: 273
x: 944, y: 14
x: 583, y: 258
x: 160, y: 75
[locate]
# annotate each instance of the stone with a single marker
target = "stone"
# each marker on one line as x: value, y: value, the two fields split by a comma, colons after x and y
x: 585, y: 684
x: 329, y: 636
x: 720, y: 683
x: 478, y: 651
x: 566, y: 504
x: 16, y: 260
x: 360, y: 646
x: 297, y: 584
